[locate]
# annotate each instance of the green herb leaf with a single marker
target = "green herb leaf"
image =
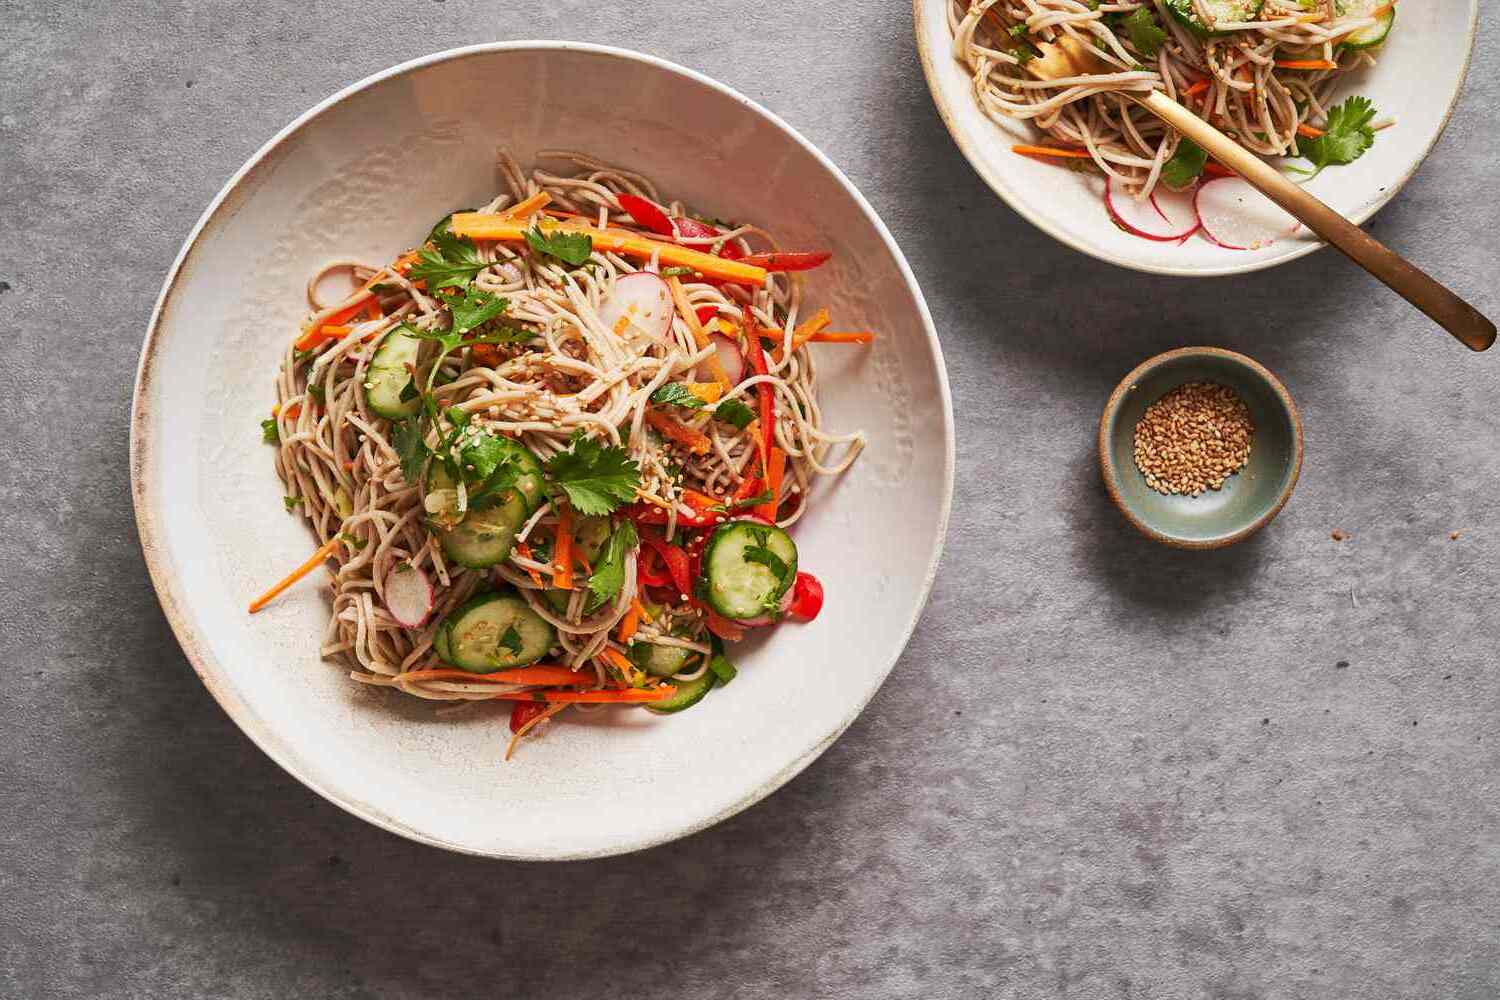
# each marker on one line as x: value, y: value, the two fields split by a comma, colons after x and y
x: 734, y: 413
x: 411, y: 447
x: 473, y: 308
x: 735, y: 505
x: 317, y: 392
x: 570, y: 248
x: 290, y: 503
x: 677, y: 394
x: 1346, y: 136
x: 677, y: 272
x: 511, y: 640
x: 452, y: 262
x: 1145, y: 34
x: 595, y: 479
x: 609, y: 571
x: 1185, y: 166
x: 270, y: 433
x: 355, y: 543
x: 491, y: 464
x: 768, y: 559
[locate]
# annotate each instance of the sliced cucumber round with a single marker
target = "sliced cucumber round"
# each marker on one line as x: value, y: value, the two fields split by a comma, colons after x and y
x: 1373, y: 35
x: 662, y: 661
x: 689, y: 693
x: 1221, y: 11
x: 440, y: 645
x: 747, y: 569
x: 388, y: 381
x: 488, y: 450
x: 495, y: 631
x: 485, y: 537
x: 441, y: 498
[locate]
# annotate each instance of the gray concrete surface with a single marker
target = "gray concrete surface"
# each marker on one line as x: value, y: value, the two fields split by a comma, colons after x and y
x: 1103, y: 770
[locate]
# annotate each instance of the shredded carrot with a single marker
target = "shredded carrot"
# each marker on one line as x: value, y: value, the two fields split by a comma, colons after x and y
x: 660, y: 692
x: 804, y: 332
x: 694, y: 441
x: 1311, y: 131
x: 1306, y: 64
x: 294, y: 411
x: 324, y: 552
x: 630, y: 622
x: 524, y: 551
x: 562, y: 551
x: 709, y: 392
x: 476, y: 225
x: 543, y: 674
x: 690, y: 316
x: 1197, y: 88
x: 618, y: 660
x: 405, y: 261
x: 645, y: 615
x: 843, y: 337
x: 333, y: 331
x: 775, y: 470
x: 372, y: 308
x: 524, y: 208
x: 1077, y: 154
x: 531, y: 724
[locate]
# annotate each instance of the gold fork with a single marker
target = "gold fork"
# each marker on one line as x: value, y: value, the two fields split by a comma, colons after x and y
x: 1070, y: 57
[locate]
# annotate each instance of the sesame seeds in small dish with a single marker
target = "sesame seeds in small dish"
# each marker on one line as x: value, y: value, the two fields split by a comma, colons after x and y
x: 1200, y: 447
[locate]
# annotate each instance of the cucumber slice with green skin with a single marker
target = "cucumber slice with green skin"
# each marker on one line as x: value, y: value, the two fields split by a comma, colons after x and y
x: 440, y: 644
x: 441, y: 498
x: 689, y: 693
x: 486, y: 537
x: 496, y: 631
x: 748, y: 567
x: 509, y: 451
x: 1226, y: 11
x: 389, y: 377
x: 662, y: 661
x: 1367, y: 38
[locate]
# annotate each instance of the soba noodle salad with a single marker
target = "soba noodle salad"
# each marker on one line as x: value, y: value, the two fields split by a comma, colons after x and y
x: 1265, y: 72
x: 556, y: 451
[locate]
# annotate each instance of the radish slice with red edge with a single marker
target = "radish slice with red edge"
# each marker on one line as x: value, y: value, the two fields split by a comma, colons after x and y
x: 730, y: 358
x: 1238, y: 217
x: 693, y: 229
x: 1140, y: 217
x: 644, y: 300
x: 1179, y: 209
x: 408, y: 595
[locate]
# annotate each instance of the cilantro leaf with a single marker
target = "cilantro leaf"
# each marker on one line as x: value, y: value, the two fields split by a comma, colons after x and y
x: 317, y: 392
x: 676, y: 394
x: 451, y: 261
x: 570, y: 248
x: 491, y: 463
x: 734, y: 413
x: 595, y: 479
x: 1145, y: 34
x: 1345, y: 137
x: 411, y: 447
x: 609, y: 571
x: 1185, y: 166
x: 511, y: 640
x: 290, y: 503
x: 768, y: 559
x: 270, y: 433
x: 473, y: 308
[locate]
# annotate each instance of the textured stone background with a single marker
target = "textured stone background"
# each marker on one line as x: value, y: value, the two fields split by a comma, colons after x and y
x: 1103, y: 770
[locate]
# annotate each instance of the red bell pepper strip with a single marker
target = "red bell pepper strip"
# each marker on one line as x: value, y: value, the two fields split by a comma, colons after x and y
x: 807, y: 597
x: 731, y: 251
x: 523, y: 712
x: 647, y: 214
x: 779, y: 261
x: 677, y: 561
x: 706, y: 314
x: 646, y: 574
x: 764, y: 390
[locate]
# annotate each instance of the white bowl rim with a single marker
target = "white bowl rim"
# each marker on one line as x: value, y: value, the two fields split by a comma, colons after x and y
x: 165, y: 585
x: 1042, y: 222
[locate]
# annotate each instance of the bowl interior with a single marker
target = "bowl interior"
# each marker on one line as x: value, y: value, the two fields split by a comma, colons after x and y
x: 1420, y: 70
x: 1248, y: 495
x: 215, y: 533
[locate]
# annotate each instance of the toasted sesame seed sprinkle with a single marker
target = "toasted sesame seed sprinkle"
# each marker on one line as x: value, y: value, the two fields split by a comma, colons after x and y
x: 1193, y: 439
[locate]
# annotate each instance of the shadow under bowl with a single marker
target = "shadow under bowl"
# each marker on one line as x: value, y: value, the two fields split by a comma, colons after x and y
x: 1250, y: 498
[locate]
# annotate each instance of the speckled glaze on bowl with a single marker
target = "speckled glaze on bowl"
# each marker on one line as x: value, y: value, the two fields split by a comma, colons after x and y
x: 207, y: 497
x: 1417, y: 81
x: 1250, y: 499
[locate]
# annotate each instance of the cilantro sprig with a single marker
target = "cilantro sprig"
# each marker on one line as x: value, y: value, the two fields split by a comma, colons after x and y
x: 609, y: 571
x: 1346, y: 136
x: 570, y: 248
x: 595, y: 479
x: 677, y: 394
x: 448, y: 262
x: 1185, y: 166
x: 1145, y: 34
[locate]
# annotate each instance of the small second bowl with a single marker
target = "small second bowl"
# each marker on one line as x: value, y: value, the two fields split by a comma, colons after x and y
x: 1250, y: 498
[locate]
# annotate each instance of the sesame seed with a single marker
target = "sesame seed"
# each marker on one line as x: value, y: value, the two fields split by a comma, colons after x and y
x: 1193, y: 439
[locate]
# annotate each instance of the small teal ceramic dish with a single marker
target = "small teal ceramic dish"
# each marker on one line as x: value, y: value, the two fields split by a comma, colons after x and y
x: 1250, y: 498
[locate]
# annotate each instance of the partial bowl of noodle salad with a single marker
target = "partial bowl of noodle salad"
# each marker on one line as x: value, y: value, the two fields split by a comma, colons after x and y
x: 599, y: 467
x: 1344, y: 96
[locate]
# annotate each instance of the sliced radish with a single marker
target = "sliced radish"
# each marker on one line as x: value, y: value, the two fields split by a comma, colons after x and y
x: 408, y: 595
x: 729, y: 357
x: 1178, y: 208
x: 643, y: 301
x: 1237, y: 217
x: 1142, y: 217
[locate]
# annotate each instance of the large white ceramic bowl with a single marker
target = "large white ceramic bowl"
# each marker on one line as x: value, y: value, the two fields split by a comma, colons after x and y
x: 365, y: 173
x: 1420, y: 71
